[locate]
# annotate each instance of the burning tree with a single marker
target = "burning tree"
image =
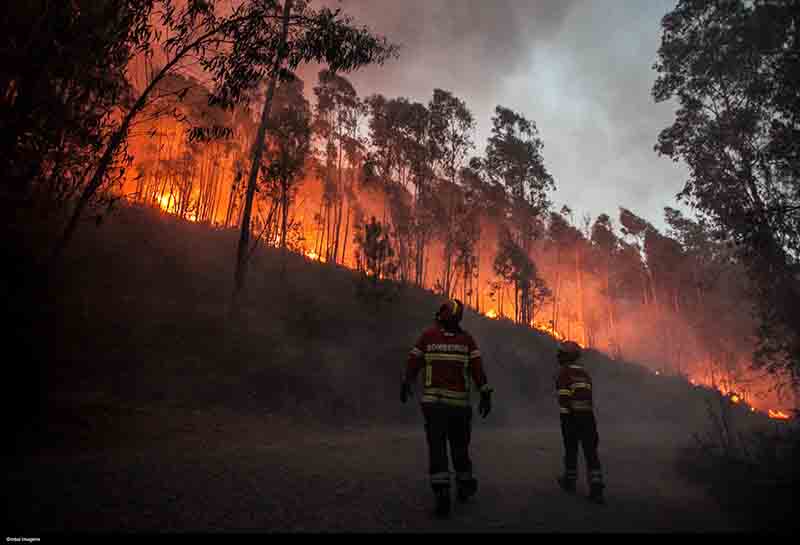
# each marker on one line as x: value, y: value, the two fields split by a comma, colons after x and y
x: 195, y: 32
x: 287, y: 151
x: 375, y: 255
x: 376, y: 261
x: 733, y: 68
x: 63, y: 84
x: 450, y: 133
x: 336, y: 123
x: 516, y: 268
x: 258, y: 50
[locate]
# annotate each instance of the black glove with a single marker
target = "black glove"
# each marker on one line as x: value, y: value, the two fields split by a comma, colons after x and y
x: 405, y: 392
x: 485, y: 406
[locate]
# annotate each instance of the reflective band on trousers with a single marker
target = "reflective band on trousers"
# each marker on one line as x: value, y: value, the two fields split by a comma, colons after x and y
x: 581, y: 405
x: 446, y: 394
x: 596, y: 476
x: 445, y: 400
x: 440, y: 478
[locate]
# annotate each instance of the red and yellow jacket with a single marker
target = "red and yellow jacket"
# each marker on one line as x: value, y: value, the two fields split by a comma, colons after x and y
x: 451, y: 361
x: 574, y: 387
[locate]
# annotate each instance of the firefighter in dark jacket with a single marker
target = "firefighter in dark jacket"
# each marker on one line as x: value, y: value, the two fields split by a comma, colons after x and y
x: 578, y: 425
x: 450, y: 361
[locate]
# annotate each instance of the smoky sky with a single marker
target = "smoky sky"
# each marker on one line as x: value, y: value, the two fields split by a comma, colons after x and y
x: 581, y: 70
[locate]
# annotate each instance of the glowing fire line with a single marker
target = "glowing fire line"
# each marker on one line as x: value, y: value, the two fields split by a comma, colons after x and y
x: 780, y: 415
x: 168, y: 204
x: 734, y: 397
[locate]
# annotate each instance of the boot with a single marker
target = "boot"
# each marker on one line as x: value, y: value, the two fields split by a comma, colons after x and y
x: 466, y: 489
x: 567, y: 484
x: 596, y: 493
x: 443, y: 502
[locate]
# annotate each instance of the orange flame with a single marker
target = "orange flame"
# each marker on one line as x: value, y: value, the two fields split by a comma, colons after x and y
x: 168, y: 204
x: 315, y: 239
x: 736, y: 396
x: 546, y: 327
x: 779, y: 415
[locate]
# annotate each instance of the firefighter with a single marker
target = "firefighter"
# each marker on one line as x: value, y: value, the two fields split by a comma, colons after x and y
x: 450, y: 361
x: 578, y: 425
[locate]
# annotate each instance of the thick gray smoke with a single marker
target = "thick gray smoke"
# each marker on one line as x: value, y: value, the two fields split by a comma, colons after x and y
x: 581, y: 70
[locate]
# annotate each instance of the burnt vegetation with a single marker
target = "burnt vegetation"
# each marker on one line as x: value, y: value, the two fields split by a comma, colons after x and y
x: 192, y: 227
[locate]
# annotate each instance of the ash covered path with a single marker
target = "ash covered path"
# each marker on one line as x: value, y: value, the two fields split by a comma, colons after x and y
x: 204, y: 473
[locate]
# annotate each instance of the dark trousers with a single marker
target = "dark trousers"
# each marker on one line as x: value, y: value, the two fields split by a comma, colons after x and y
x: 448, y: 425
x: 581, y: 428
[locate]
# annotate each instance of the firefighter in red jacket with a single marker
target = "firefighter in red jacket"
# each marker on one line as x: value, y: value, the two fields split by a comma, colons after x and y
x: 450, y: 361
x: 578, y: 426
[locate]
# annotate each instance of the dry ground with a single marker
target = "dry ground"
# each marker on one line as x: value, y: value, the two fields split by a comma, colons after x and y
x: 227, y: 472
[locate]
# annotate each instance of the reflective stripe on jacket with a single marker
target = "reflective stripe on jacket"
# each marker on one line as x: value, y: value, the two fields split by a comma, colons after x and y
x: 451, y: 362
x: 574, y: 387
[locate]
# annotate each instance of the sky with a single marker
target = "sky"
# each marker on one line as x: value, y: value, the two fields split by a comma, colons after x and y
x: 580, y: 69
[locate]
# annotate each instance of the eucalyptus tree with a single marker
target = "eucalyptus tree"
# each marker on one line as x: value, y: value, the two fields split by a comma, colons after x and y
x: 514, y: 159
x: 451, y: 128
x: 732, y: 66
x: 336, y: 122
x: 288, y: 148
x: 300, y: 35
x: 182, y: 33
x: 63, y: 80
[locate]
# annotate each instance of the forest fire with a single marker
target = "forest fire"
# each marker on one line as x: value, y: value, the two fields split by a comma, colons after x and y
x: 535, y: 324
x: 310, y: 244
x: 166, y: 203
x: 549, y: 329
x: 778, y: 415
x: 123, y: 121
x: 737, y: 394
x: 701, y: 374
x: 169, y: 205
x: 596, y: 283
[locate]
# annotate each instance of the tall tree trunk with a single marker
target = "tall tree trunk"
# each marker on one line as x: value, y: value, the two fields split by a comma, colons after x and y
x: 255, y: 166
x: 231, y: 200
x: 284, y: 221
x: 318, y: 241
x: 327, y: 237
x: 475, y: 278
x: 346, y: 234
x: 579, y: 278
x: 340, y: 197
x: 114, y: 143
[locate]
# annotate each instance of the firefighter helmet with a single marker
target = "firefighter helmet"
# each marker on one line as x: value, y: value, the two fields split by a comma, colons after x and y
x: 569, y: 351
x: 451, y: 312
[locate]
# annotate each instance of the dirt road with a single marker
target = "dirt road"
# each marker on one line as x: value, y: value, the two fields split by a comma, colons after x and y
x: 206, y: 473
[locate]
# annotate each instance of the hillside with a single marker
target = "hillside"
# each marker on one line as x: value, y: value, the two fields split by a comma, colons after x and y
x: 138, y: 371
